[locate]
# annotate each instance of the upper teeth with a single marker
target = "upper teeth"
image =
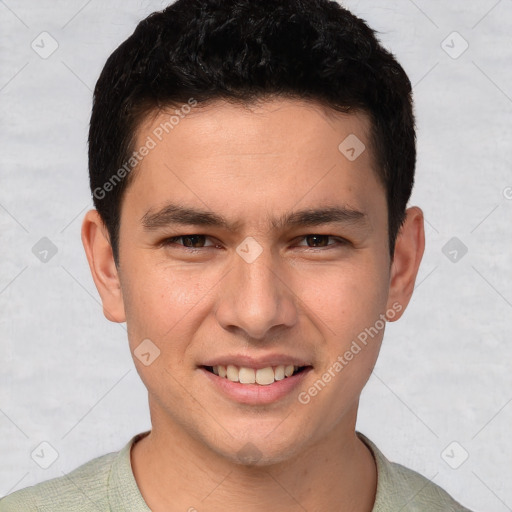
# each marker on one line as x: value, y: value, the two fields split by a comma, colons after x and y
x: 263, y: 376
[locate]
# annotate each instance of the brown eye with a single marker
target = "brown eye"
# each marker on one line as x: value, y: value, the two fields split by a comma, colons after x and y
x: 193, y: 241
x: 189, y: 241
x: 320, y: 241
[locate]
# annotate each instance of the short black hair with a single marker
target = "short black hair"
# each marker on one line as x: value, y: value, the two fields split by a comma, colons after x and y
x: 244, y: 51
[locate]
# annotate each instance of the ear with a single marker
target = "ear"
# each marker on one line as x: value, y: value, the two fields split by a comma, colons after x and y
x: 409, y: 247
x: 103, y: 269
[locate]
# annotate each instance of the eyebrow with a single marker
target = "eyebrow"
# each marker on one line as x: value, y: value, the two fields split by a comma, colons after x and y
x: 172, y: 214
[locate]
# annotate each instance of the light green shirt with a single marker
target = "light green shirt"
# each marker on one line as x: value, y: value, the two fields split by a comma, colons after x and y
x: 107, y: 484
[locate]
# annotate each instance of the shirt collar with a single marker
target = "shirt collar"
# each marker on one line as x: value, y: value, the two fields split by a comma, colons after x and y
x: 123, y: 492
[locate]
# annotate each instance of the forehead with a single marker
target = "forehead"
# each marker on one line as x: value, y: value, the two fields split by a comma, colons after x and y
x: 257, y: 153
x: 268, y: 115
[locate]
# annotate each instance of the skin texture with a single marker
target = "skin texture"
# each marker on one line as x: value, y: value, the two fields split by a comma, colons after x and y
x: 252, y: 164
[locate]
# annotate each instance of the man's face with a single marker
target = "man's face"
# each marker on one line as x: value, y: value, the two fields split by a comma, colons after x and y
x: 268, y: 292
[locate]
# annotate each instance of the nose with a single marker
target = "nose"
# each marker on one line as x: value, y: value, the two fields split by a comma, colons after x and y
x: 256, y: 298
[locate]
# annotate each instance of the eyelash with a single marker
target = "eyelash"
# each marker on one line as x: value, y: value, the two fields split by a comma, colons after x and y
x: 172, y: 241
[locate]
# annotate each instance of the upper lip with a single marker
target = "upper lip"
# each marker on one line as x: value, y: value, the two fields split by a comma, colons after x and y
x: 256, y: 362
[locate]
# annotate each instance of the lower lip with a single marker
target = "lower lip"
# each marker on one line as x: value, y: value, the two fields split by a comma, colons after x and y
x: 256, y: 394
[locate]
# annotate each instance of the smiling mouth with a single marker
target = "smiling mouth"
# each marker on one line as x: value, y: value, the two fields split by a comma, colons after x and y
x: 261, y: 376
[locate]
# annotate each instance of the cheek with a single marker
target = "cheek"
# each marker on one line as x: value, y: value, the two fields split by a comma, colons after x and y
x: 160, y: 307
x: 164, y: 303
x: 347, y: 298
x: 349, y: 309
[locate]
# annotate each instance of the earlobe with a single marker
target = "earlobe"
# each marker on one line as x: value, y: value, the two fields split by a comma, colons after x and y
x: 409, y: 248
x: 103, y: 269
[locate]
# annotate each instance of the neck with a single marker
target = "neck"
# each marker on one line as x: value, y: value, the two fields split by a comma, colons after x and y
x: 175, y: 472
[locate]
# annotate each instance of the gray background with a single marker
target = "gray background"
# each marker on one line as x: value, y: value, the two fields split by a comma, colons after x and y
x: 67, y: 377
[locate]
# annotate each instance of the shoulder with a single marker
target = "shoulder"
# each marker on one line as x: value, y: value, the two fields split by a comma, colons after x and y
x: 401, y: 488
x: 82, y: 489
x: 420, y: 493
